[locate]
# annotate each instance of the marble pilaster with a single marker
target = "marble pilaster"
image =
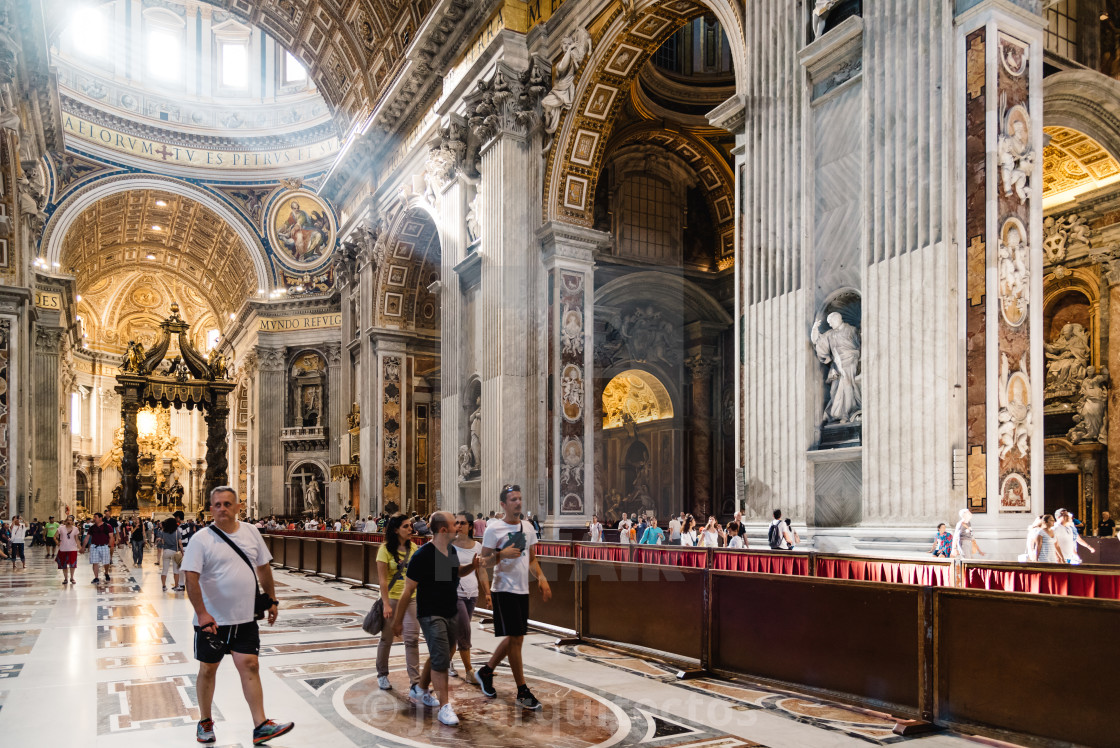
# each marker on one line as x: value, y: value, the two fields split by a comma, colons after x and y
x: 700, y: 367
x: 569, y: 265
x: 270, y: 423
x: 999, y: 48
x: 337, y: 407
x: 46, y: 405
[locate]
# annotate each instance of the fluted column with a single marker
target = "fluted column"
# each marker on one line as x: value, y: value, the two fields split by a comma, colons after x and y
x: 505, y: 119
x: 46, y: 404
x: 448, y: 425
x: 336, y: 426
x: 270, y: 423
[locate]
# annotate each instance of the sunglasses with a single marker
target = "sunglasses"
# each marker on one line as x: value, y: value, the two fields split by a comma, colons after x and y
x: 460, y: 522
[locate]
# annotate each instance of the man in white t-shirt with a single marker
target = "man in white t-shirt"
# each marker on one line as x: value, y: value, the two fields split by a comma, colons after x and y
x: 778, y: 535
x: 508, y: 546
x: 675, y: 525
x: 624, y: 526
x: 596, y: 530
x: 222, y: 586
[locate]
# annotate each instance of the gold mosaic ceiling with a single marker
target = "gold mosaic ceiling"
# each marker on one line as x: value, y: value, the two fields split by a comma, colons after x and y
x: 160, y: 231
x: 1073, y: 161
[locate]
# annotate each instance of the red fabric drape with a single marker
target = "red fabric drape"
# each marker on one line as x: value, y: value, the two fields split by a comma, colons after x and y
x: 603, y: 552
x: 546, y: 548
x: 696, y: 559
x: 894, y: 572
x: 761, y: 563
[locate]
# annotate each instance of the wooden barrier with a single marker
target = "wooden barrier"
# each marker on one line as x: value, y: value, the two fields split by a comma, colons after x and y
x: 854, y: 641
x: 309, y: 555
x: 1048, y: 579
x: 648, y: 606
x: 352, y: 561
x: 328, y: 558
x: 987, y: 662
x: 560, y: 611
x: 1005, y: 665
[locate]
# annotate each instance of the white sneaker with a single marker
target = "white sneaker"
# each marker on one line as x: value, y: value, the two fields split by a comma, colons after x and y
x: 419, y: 696
x: 383, y: 683
x: 451, y: 673
x: 447, y: 715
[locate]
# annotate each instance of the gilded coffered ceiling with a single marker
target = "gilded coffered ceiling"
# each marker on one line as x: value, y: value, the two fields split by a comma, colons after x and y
x: 129, y: 305
x: 1073, y: 163
x: 411, y: 264
x: 159, y: 233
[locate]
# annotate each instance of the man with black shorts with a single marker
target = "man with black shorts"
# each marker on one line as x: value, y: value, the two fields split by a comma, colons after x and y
x: 433, y: 574
x: 222, y: 586
x: 508, y: 547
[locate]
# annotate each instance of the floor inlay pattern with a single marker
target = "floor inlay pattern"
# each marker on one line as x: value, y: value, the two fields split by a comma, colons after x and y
x: 573, y: 716
x: 147, y: 704
x: 19, y: 642
x: 145, y: 660
x: 131, y: 636
x: 876, y: 728
x: 115, y: 612
x: 10, y: 671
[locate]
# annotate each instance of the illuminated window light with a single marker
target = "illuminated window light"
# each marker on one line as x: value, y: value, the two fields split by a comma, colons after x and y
x: 150, y: 256
x: 161, y: 203
x: 157, y: 227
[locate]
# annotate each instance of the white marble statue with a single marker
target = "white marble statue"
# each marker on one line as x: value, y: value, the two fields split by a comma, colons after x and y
x: 465, y: 468
x: 475, y: 426
x: 474, y: 217
x: 839, y: 349
x: 1092, y: 409
x: 820, y: 15
x: 1014, y: 273
x: 576, y: 46
x: 1067, y: 357
x: 311, y: 497
x: 1015, y: 152
x: 1014, y: 416
x: 1058, y: 233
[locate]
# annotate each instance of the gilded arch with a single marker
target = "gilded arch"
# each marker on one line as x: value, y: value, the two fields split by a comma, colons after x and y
x: 410, y: 261
x: 623, y: 41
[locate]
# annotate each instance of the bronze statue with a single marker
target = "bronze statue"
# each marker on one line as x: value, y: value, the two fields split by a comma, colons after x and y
x: 134, y: 358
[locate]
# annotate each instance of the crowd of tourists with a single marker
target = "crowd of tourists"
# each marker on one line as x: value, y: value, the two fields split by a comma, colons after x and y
x: 1051, y: 538
x: 644, y: 528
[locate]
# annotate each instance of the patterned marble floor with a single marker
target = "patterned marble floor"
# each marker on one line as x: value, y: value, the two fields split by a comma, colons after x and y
x: 115, y: 663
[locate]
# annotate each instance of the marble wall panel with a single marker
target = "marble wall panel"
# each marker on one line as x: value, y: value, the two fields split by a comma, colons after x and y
x: 391, y: 430
x: 573, y: 409
x: 837, y: 227
x: 975, y: 261
x: 5, y: 414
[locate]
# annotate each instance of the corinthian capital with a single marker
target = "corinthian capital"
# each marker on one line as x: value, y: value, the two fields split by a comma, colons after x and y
x: 47, y: 339
x: 508, y: 102
x: 270, y: 359
x: 701, y: 365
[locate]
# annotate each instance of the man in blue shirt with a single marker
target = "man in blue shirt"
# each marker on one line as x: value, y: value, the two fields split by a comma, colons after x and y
x: 653, y: 535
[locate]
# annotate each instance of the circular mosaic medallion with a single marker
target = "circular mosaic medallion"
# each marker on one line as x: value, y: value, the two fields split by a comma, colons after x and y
x: 301, y: 229
x: 570, y: 717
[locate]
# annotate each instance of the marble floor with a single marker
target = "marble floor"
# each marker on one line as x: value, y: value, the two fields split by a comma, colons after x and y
x: 112, y: 666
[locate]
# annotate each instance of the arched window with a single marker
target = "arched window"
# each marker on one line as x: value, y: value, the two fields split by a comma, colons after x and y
x: 88, y: 33
x: 164, y: 33
x: 294, y: 71
x: 231, y: 45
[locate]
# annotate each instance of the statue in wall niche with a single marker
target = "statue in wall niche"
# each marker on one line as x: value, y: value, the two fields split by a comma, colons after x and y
x: 1092, y: 408
x: 1067, y: 357
x: 839, y: 349
x: 1014, y: 416
x: 311, y: 498
x: 465, y: 467
x: 820, y: 15
x: 474, y: 218
x: 475, y: 426
x: 176, y: 493
x: 576, y: 47
x: 1014, y: 150
x: 649, y: 337
x: 309, y: 406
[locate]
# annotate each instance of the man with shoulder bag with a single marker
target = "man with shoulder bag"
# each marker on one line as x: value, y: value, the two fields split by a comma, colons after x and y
x: 226, y: 565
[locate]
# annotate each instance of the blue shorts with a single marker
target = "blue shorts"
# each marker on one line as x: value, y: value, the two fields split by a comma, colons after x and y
x: 99, y: 554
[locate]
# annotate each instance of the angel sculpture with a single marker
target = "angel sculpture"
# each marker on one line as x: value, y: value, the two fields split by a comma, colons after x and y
x: 134, y: 358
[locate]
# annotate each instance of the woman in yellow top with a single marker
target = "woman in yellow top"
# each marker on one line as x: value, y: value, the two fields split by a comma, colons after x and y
x: 392, y: 564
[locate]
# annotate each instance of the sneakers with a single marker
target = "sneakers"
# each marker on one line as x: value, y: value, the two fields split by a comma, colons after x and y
x: 204, y: 733
x: 447, y: 715
x: 468, y: 676
x: 485, y: 677
x: 95, y: 580
x: 269, y: 729
x: 451, y: 672
x: 418, y: 695
x: 526, y: 699
x: 383, y: 683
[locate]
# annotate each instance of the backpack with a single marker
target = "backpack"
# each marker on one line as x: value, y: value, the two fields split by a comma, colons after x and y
x: 775, y: 536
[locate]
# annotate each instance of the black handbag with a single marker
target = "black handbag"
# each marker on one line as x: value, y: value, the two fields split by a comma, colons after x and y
x: 262, y: 602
